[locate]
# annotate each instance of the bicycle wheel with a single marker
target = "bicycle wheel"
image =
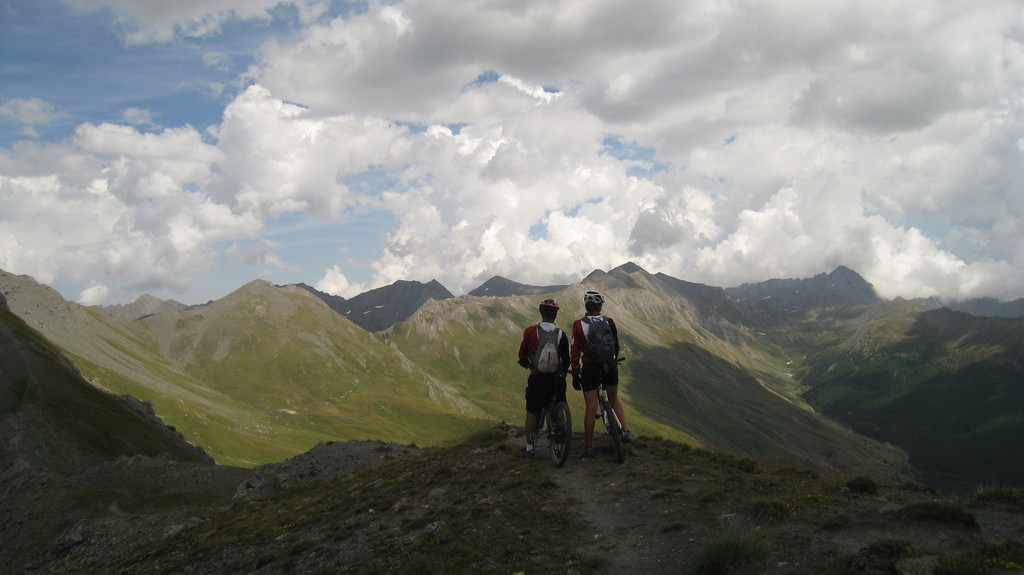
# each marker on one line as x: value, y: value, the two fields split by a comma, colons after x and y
x: 615, y: 430
x: 560, y: 433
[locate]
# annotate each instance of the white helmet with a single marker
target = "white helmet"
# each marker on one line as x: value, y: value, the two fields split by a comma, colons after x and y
x: 593, y: 296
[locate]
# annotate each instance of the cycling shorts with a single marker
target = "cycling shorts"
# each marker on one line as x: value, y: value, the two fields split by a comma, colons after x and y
x: 539, y: 388
x: 592, y: 374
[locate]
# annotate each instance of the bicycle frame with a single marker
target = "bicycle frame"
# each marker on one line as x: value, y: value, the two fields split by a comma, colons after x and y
x: 555, y: 423
x: 612, y: 425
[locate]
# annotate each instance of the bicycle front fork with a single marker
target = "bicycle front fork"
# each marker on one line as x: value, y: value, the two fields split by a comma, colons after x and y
x: 604, y: 409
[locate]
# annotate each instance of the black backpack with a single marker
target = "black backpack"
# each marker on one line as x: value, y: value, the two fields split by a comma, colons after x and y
x: 545, y: 359
x: 600, y: 339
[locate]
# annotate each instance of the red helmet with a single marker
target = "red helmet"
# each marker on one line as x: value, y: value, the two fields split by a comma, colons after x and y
x: 549, y: 304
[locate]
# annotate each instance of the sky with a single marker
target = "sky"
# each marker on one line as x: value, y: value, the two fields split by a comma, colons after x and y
x: 183, y: 149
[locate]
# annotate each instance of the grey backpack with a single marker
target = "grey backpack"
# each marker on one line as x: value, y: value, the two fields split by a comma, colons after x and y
x: 600, y: 339
x: 546, y: 359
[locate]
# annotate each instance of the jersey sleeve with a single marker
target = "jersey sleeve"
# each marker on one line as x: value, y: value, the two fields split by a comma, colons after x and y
x: 615, y: 333
x: 579, y: 342
x: 528, y: 344
x: 563, y: 351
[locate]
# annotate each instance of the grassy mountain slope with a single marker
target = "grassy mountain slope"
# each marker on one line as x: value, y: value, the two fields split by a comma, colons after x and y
x: 258, y: 376
x: 283, y: 351
x: 123, y: 357
x: 946, y: 385
x: 55, y: 421
x: 943, y: 386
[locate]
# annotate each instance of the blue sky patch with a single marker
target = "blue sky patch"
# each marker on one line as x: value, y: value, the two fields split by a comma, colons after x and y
x: 644, y: 158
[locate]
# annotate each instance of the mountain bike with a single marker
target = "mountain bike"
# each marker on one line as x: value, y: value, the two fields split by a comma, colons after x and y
x: 611, y: 421
x: 555, y: 423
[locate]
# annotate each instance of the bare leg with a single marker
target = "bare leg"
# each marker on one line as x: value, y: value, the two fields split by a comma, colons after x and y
x: 590, y: 397
x: 531, y: 427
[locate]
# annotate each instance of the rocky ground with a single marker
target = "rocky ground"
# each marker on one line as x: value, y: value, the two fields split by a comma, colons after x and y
x: 651, y: 516
x: 53, y: 524
x: 371, y: 507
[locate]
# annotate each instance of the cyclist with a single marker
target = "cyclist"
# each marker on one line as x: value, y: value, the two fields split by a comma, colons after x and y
x: 544, y: 350
x: 593, y: 362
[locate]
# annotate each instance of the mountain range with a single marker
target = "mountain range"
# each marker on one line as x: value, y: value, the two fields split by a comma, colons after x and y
x: 819, y: 371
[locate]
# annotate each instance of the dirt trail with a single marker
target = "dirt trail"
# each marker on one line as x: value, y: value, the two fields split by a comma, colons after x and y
x: 626, y: 522
x: 643, y: 517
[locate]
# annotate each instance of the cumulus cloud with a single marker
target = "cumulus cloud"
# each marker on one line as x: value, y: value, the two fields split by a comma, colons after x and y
x: 720, y: 143
x: 95, y: 294
x: 28, y: 114
x: 278, y: 158
x: 334, y: 282
x: 115, y: 203
x: 139, y: 117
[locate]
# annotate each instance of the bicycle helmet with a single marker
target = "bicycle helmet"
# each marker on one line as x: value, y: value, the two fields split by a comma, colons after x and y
x: 593, y: 296
x: 549, y: 305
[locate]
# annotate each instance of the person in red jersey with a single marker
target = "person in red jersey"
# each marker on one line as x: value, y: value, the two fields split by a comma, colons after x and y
x: 544, y: 350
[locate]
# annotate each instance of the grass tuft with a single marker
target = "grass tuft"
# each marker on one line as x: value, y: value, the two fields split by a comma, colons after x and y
x: 939, y: 512
x: 839, y: 566
x: 731, y: 550
x: 770, y: 510
x: 1005, y: 555
x: 1005, y: 498
x: 837, y: 521
x: 864, y: 485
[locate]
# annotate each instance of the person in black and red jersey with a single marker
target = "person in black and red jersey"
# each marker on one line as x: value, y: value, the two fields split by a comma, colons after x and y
x: 587, y: 373
x: 544, y: 379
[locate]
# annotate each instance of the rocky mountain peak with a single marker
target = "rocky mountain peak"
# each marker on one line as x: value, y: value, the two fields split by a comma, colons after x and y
x: 630, y: 268
x: 381, y: 308
x: 145, y: 305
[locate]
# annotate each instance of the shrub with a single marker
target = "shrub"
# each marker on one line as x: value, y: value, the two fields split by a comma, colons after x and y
x: 938, y: 512
x: 731, y: 550
x: 770, y: 509
x: 838, y: 566
x: 864, y: 485
x: 837, y: 521
x: 672, y: 526
x: 487, y: 436
x: 1007, y: 555
x: 1011, y: 498
x: 590, y: 563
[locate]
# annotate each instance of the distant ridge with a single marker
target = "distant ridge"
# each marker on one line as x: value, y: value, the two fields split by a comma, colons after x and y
x: 989, y: 307
x: 498, y: 286
x: 842, y: 286
x: 381, y: 308
x: 695, y: 290
x: 146, y: 305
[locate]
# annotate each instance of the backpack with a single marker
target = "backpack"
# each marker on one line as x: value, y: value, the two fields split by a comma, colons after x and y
x: 545, y: 359
x: 600, y: 339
